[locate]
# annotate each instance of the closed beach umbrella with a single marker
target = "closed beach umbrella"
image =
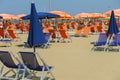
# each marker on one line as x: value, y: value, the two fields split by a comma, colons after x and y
x: 36, y: 36
x: 113, y: 28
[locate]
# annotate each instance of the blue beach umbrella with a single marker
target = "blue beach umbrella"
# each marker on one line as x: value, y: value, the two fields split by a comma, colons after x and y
x: 36, y: 36
x: 113, y: 28
x: 42, y: 15
x: 1, y: 17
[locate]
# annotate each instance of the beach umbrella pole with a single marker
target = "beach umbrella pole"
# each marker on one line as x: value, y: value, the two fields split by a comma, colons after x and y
x: 34, y: 49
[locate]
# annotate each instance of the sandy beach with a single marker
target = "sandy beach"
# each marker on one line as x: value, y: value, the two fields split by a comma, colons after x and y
x: 75, y: 60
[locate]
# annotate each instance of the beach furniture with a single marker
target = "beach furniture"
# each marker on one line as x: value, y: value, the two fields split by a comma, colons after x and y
x: 18, y: 69
x: 92, y: 30
x: 47, y: 38
x: 102, y: 41
x: 115, y: 42
x: 99, y: 29
x: 86, y: 31
x: 32, y: 62
x: 5, y: 37
x: 64, y: 36
x: 11, y: 34
x: 53, y: 35
x: 1, y: 33
x: 78, y: 32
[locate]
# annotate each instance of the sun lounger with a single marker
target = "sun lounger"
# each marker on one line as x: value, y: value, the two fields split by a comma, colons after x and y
x: 86, y: 32
x: 115, y: 42
x: 53, y: 35
x: 102, y: 41
x: 30, y: 61
x: 99, y: 29
x: 64, y: 37
x: 8, y: 61
x: 78, y: 32
x: 11, y: 34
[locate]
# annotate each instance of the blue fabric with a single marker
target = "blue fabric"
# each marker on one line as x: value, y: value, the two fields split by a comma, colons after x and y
x: 113, y: 28
x: 116, y: 40
x: 42, y: 15
x: 7, y: 60
x: 31, y: 61
x: 36, y: 36
x: 1, y: 17
x: 5, y: 40
x: 101, y: 40
x: 47, y: 36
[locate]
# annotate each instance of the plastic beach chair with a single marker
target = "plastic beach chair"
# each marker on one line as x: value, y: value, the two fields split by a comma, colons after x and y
x: 8, y: 61
x: 30, y: 61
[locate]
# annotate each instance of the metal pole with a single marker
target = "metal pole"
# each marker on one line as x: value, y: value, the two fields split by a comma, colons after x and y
x: 33, y: 1
x: 49, y: 5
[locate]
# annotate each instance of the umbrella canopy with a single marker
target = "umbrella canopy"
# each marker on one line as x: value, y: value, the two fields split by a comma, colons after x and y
x: 62, y: 14
x: 20, y: 15
x: 113, y: 28
x: 82, y: 15
x: 97, y: 15
x: 1, y: 17
x: 36, y: 36
x: 116, y: 12
x: 42, y: 15
x: 8, y: 16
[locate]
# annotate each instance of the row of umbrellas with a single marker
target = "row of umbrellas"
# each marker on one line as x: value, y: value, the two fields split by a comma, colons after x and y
x: 61, y: 14
x: 98, y: 15
x: 10, y: 16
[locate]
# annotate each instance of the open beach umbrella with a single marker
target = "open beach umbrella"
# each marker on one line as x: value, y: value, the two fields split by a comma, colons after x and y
x: 82, y: 15
x: 113, y: 28
x: 36, y: 36
x: 20, y: 15
x: 97, y: 15
x: 8, y: 16
x: 42, y: 15
x: 62, y: 14
x: 116, y: 12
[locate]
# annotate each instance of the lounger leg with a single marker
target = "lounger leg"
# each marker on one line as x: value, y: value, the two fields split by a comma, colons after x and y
x: 8, y: 72
x: 1, y: 70
x: 42, y: 76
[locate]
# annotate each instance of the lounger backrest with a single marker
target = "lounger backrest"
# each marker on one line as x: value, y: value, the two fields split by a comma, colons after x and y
x: 117, y: 38
x: 2, y: 33
x: 6, y: 59
x: 47, y: 36
x: 30, y: 60
x: 52, y: 32
x: 63, y: 33
x: 102, y: 37
x: 11, y: 33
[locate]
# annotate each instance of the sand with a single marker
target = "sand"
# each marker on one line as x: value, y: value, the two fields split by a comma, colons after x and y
x: 75, y: 60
